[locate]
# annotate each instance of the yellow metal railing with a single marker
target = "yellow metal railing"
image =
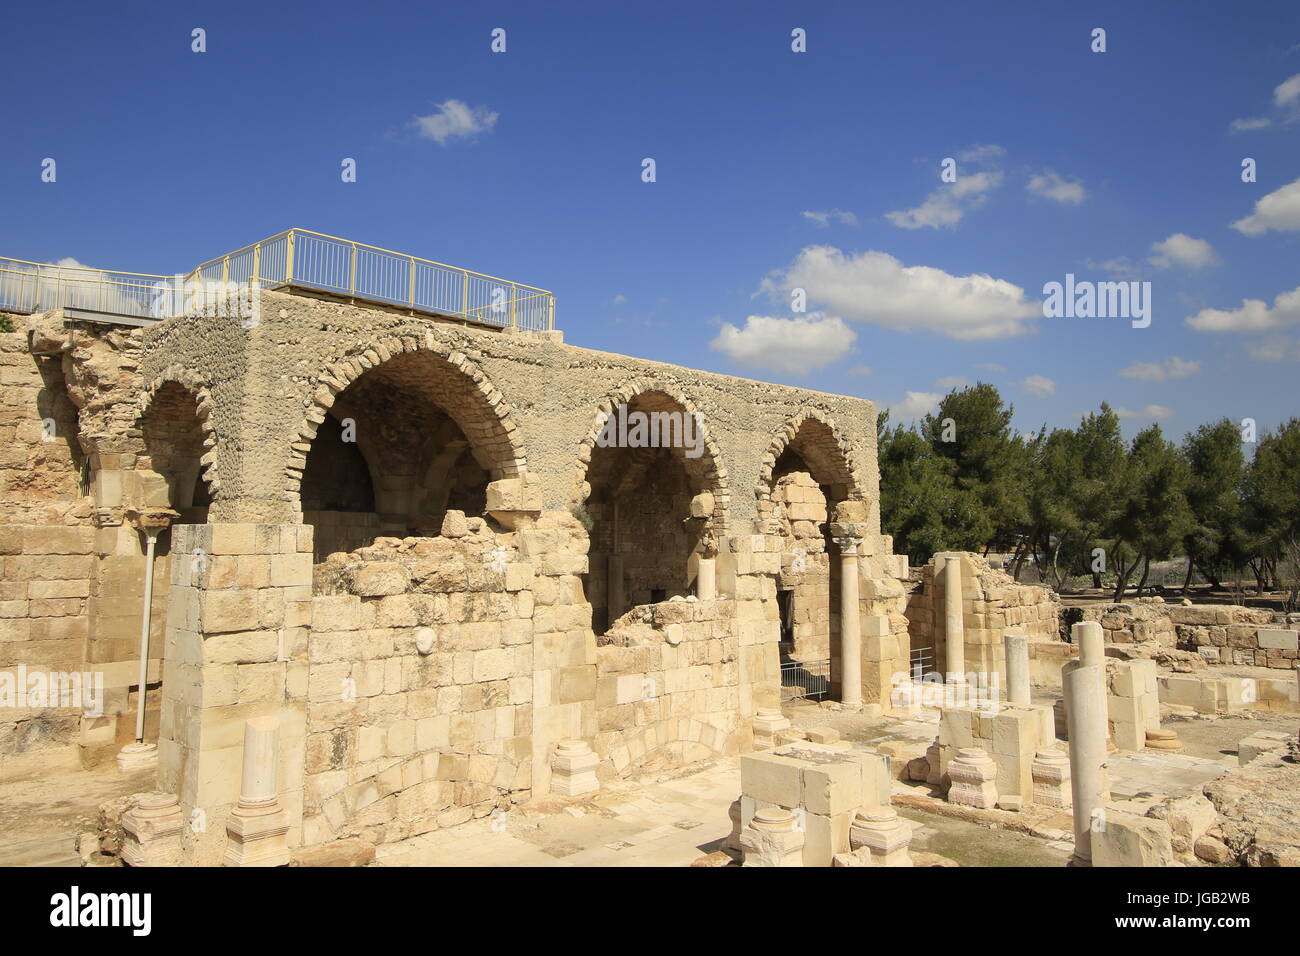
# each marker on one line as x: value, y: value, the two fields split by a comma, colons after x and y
x: 313, y: 260
x: 296, y: 257
x: 37, y: 286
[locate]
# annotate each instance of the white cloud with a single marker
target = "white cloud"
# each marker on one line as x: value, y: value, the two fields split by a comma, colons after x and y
x: 862, y: 370
x: 1253, y: 316
x: 950, y: 382
x: 1051, y: 185
x: 876, y: 288
x: 1181, y: 249
x: 823, y: 219
x: 946, y: 206
x: 990, y: 367
x: 455, y: 120
x: 914, y: 406
x: 1249, y: 124
x: 1155, y: 412
x: 1039, y: 385
x: 1273, y: 349
x: 1279, y: 210
x: 798, y: 346
x: 1119, y: 266
x: 620, y: 299
x: 1170, y: 368
x: 1287, y: 93
x: 978, y: 154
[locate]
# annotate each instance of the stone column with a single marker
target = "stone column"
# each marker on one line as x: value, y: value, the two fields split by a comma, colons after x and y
x: 706, y: 579
x: 151, y: 831
x: 850, y: 624
x: 954, y: 633
x: 257, y: 826
x: 974, y: 779
x: 1085, y: 710
x: 883, y: 835
x: 1091, y: 641
x: 768, y: 724
x: 573, y: 769
x: 1017, y: 651
x: 1051, y: 775
x: 772, y: 839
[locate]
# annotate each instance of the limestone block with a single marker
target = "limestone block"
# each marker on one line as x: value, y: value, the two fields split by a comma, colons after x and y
x: 1123, y: 839
x: 1259, y: 743
x: 1190, y: 817
x: 772, y: 778
x: 1278, y: 638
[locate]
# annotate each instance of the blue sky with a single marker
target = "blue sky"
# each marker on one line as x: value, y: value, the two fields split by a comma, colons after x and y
x: 774, y: 169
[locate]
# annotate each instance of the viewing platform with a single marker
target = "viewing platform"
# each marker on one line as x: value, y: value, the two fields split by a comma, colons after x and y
x: 296, y: 260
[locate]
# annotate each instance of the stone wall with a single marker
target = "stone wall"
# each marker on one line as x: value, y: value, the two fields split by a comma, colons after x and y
x: 420, y: 685
x: 1220, y: 633
x: 667, y: 688
x: 800, y: 510
x: 992, y: 603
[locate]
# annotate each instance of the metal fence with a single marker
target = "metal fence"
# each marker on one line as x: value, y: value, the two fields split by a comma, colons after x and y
x: 922, y: 662
x: 296, y: 257
x: 810, y: 680
x: 314, y: 260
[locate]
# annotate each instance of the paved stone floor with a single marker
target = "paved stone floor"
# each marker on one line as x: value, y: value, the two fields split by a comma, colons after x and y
x: 671, y: 823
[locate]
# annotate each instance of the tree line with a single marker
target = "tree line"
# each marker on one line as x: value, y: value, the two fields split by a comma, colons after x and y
x: 1080, y: 501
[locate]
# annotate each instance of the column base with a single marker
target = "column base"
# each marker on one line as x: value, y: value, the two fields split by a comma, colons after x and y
x: 256, y: 836
x: 137, y: 756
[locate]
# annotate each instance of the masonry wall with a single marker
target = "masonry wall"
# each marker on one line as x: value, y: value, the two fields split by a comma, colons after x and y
x: 46, y: 543
x: 1220, y: 633
x: 992, y: 603
x: 420, y: 685
x: 667, y: 688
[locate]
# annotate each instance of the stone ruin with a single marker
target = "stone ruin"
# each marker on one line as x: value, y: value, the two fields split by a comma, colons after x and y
x: 400, y: 542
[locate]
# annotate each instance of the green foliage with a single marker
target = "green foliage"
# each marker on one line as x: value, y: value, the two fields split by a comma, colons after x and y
x: 6, y: 323
x: 965, y: 479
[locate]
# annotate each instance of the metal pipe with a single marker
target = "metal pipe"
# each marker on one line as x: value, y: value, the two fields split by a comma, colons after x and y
x: 152, y: 535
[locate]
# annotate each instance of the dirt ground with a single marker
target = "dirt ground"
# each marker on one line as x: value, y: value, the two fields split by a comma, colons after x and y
x: 41, y: 816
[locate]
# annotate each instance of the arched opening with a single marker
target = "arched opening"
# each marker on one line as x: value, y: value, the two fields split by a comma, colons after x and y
x: 173, y: 437
x: 809, y: 478
x: 407, y: 441
x: 650, y: 506
x: 169, y: 473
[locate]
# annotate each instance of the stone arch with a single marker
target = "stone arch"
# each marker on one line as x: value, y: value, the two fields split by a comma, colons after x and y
x: 815, y: 436
x: 427, y: 432
x: 169, y: 397
x: 712, y: 472
x: 677, y: 743
x: 483, y: 415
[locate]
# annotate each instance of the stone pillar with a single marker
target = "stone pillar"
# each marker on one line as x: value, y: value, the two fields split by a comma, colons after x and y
x: 1085, y: 709
x: 151, y: 831
x: 573, y: 769
x: 238, y: 616
x: 772, y: 839
x: 850, y: 624
x: 735, y: 815
x: 954, y: 633
x: 1017, y: 651
x: 1051, y: 773
x: 706, y: 579
x: 768, y: 724
x: 974, y: 779
x: 257, y: 826
x: 882, y: 833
